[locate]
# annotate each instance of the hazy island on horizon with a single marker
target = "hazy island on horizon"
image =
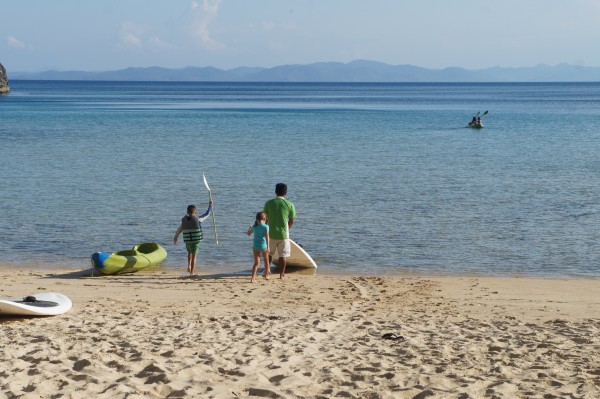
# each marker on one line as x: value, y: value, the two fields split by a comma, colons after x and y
x: 355, y: 71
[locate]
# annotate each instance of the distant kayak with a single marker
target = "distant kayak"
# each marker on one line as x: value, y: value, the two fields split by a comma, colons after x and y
x: 475, y: 126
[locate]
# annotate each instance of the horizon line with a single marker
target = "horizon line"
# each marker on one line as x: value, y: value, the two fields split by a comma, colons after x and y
x: 541, y: 64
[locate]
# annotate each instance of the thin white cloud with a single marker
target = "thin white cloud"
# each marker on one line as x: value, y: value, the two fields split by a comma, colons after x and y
x: 16, y: 43
x: 157, y: 44
x: 204, y: 17
x: 135, y: 36
x: 130, y: 35
x: 128, y: 39
x: 268, y: 25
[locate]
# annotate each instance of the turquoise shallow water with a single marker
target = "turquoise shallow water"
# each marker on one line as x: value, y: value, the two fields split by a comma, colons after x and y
x: 385, y: 177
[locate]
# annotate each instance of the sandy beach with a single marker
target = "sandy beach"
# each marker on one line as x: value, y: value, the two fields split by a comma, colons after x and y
x: 158, y: 334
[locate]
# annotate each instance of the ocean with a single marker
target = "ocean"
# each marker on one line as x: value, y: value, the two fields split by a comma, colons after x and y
x: 385, y: 177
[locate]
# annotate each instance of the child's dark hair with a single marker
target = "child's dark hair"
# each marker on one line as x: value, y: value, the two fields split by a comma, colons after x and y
x: 260, y: 216
x: 190, y: 210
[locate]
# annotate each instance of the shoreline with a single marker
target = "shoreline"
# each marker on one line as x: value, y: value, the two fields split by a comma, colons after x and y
x: 321, y: 271
x: 158, y: 334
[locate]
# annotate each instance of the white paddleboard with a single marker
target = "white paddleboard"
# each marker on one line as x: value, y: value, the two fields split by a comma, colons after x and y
x: 42, y: 304
x: 298, y: 258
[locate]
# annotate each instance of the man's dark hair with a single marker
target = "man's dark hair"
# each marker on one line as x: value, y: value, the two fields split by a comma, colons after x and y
x: 280, y: 189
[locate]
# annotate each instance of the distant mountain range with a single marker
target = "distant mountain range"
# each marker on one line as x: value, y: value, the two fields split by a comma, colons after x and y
x: 355, y: 71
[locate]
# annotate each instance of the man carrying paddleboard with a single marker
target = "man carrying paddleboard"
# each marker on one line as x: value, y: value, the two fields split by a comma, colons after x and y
x: 280, y: 218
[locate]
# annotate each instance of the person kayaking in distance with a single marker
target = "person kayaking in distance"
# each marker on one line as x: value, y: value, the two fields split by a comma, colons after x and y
x: 475, y: 122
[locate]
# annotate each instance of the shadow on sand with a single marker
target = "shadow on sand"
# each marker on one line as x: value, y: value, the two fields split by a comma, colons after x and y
x: 158, y: 274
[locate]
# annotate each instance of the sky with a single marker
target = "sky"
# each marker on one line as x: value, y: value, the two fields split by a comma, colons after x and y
x: 101, y: 35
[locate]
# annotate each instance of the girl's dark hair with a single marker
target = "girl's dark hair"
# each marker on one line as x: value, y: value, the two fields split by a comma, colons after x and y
x: 259, y: 217
x: 190, y: 210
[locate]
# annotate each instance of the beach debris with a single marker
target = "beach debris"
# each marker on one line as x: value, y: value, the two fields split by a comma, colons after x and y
x: 392, y: 337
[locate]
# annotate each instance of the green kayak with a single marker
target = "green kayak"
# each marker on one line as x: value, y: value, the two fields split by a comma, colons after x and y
x: 139, y: 257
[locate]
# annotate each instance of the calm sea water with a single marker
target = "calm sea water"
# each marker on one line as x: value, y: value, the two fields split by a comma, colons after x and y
x: 385, y: 177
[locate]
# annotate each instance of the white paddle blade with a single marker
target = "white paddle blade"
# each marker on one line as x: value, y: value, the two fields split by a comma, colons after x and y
x: 213, y: 212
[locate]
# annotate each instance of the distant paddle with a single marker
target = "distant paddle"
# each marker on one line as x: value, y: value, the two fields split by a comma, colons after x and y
x: 213, y: 210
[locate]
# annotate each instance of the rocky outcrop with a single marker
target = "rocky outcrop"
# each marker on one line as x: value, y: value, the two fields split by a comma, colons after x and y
x: 3, y: 80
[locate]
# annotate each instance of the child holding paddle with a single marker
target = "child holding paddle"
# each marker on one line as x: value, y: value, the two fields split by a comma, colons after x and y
x: 260, y: 245
x: 191, y: 228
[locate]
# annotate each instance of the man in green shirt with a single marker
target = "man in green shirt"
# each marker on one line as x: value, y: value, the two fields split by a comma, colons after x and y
x: 280, y: 218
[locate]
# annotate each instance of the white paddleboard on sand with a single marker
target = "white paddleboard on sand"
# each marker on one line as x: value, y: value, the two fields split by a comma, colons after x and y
x: 43, y: 304
x: 298, y: 258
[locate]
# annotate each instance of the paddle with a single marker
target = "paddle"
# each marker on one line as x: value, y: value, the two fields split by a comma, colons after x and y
x: 213, y: 210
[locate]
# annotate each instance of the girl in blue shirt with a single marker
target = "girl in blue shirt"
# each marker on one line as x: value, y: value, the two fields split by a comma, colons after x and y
x: 260, y: 244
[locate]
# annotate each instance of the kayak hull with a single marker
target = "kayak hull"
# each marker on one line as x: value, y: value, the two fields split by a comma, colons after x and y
x: 129, y: 261
x: 298, y: 258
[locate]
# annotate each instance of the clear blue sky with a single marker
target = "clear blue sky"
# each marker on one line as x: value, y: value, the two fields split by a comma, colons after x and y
x: 97, y: 35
